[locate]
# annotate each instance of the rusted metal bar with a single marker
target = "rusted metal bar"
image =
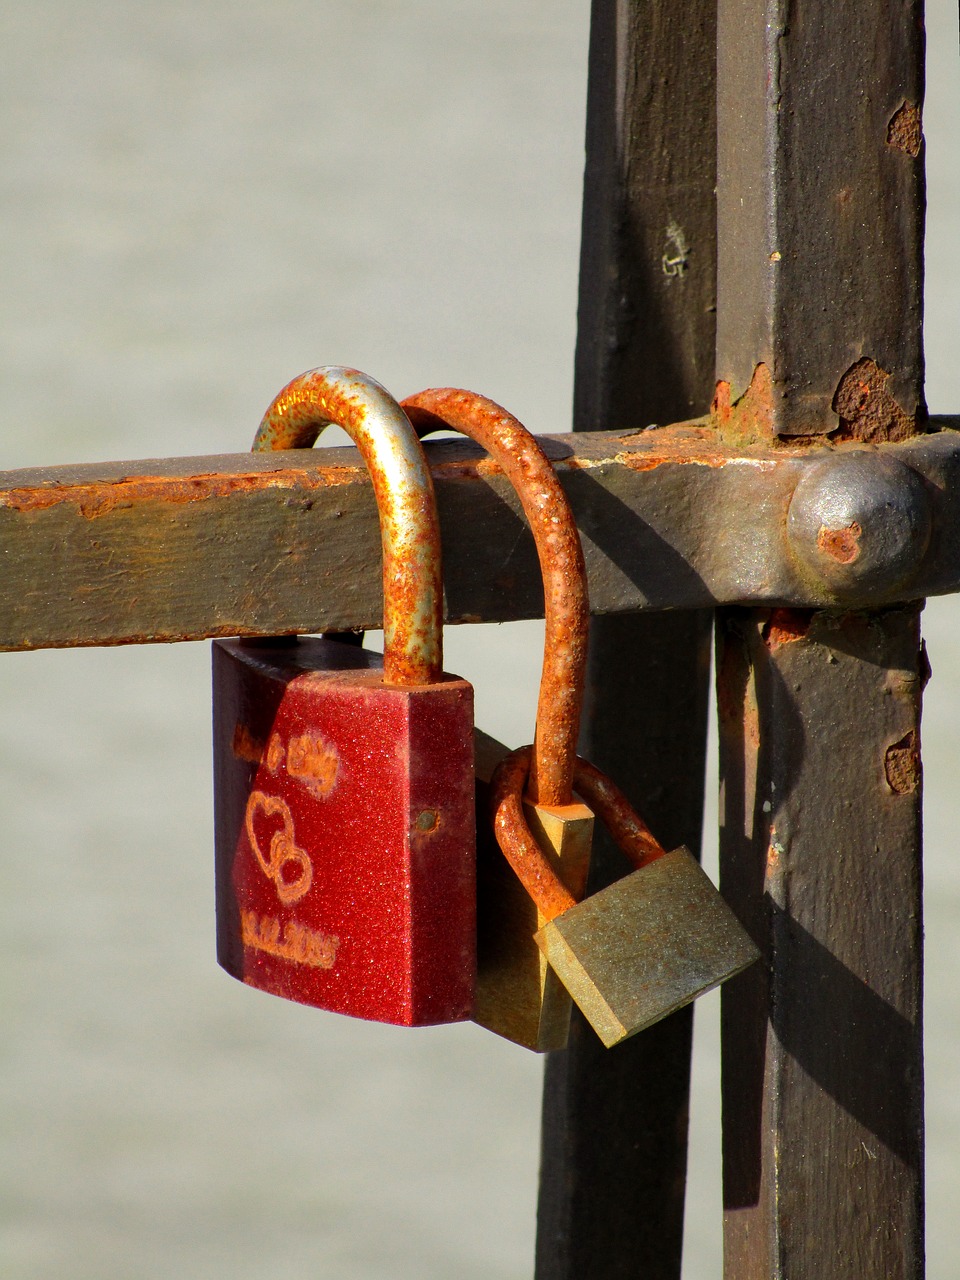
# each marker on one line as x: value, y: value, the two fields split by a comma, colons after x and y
x: 820, y: 200
x: 615, y: 1121
x: 260, y: 544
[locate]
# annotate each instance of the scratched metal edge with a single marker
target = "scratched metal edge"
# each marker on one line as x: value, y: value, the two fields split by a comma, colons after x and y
x: 230, y: 546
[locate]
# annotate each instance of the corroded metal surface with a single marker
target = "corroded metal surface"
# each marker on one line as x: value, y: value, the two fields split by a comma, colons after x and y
x: 262, y: 544
x: 409, y: 530
x: 566, y: 607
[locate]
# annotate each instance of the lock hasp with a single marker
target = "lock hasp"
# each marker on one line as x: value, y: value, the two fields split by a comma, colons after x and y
x: 345, y: 832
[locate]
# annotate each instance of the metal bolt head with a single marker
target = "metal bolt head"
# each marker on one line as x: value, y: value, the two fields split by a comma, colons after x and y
x: 860, y: 523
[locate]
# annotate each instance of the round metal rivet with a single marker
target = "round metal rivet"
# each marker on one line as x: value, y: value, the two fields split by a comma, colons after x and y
x: 428, y: 820
x: 860, y: 522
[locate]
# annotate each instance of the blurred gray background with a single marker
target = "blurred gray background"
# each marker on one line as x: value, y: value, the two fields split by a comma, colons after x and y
x: 201, y: 200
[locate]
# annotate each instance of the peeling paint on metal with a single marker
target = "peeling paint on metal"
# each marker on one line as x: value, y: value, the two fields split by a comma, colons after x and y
x: 751, y: 417
x: 866, y: 406
x: 99, y: 499
x: 905, y: 130
x: 901, y: 765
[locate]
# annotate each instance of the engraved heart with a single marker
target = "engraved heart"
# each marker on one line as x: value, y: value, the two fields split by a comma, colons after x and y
x: 283, y: 848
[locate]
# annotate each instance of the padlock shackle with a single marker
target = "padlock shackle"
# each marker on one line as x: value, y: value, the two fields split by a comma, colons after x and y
x: 629, y: 831
x: 409, y: 528
x: 565, y: 604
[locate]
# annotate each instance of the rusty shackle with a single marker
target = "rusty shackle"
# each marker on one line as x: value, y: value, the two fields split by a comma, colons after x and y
x: 627, y: 828
x: 566, y: 608
x: 409, y: 528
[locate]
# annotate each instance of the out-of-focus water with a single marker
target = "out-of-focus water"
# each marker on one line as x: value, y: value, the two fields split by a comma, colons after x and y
x: 199, y: 201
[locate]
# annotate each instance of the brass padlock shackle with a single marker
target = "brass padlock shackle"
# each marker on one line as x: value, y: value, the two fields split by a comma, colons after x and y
x: 409, y: 528
x: 565, y: 603
x: 629, y: 831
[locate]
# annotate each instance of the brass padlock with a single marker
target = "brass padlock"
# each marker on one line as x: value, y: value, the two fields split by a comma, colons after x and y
x: 640, y: 948
x: 344, y: 792
x: 518, y: 995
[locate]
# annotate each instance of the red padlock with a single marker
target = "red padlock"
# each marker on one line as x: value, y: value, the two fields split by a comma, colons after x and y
x: 344, y: 792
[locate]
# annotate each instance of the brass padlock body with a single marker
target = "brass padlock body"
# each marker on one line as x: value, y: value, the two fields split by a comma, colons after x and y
x: 646, y: 945
x: 519, y: 996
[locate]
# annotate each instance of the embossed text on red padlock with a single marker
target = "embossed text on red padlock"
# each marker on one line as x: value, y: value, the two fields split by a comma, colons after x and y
x: 343, y: 789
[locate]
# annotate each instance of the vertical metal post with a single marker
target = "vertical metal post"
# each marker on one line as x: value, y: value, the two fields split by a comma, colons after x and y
x: 615, y: 1121
x: 820, y: 201
x: 820, y: 216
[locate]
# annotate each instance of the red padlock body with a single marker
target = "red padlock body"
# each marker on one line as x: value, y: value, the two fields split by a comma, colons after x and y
x: 345, y: 832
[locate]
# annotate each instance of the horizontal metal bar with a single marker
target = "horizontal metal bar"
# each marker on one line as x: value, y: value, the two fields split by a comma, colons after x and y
x: 246, y: 544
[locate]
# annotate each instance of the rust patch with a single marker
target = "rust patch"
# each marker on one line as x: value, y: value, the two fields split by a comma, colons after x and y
x: 866, y: 407
x: 246, y: 746
x: 901, y: 765
x: 786, y: 625
x: 750, y: 418
x: 675, y: 444
x: 774, y: 852
x: 313, y: 762
x: 905, y: 130
x: 843, y: 545
x: 101, y: 497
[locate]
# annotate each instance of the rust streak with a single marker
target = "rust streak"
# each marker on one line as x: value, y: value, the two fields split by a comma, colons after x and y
x: 403, y: 488
x: 100, y: 498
